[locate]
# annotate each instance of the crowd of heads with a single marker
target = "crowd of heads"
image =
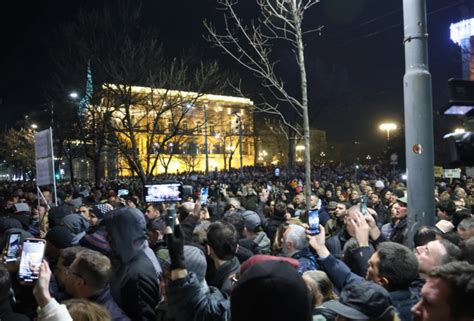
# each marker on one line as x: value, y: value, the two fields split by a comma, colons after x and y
x: 248, y: 246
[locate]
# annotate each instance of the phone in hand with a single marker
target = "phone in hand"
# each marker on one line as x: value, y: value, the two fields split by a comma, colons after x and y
x: 170, y: 216
x: 363, y: 205
x: 204, y: 195
x: 13, y: 246
x: 31, y: 259
x: 313, y: 222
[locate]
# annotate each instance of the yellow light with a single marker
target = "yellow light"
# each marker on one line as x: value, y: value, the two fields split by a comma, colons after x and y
x: 459, y: 131
x: 388, y: 126
x: 300, y: 147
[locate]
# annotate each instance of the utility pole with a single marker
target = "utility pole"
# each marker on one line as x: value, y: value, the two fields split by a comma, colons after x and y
x: 239, y: 120
x: 205, y: 139
x: 418, y: 119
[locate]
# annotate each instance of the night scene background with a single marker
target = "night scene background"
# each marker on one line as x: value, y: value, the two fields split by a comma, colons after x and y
x: 362, y: 40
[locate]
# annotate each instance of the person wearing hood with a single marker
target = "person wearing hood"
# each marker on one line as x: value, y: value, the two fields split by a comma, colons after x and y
x: 253, y: 231
x: 135, y: 284
x: 77, y: 225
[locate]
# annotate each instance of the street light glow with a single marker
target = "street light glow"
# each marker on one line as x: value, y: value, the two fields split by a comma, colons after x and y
x: 459, y: 131
x: 388, y: 127
x: 74, y: 95
x: 34, y: 126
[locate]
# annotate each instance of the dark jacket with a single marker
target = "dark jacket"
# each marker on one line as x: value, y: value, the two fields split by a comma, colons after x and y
x: 399, y: 233
x: 135, y: 284
x: 403, y: 300
x: 340, y: 275
x: 191, y: 300
x: 307, y: 260
x: 336, y: 243
x: 221, y: 277
x: 272, y: 226
x: 105, y: 299
x: 7, y: 314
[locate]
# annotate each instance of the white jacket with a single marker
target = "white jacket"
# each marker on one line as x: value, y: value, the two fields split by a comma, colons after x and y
x: 53, y: 311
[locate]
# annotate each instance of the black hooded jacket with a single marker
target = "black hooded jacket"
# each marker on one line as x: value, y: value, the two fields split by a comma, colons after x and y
x: 136, y: 279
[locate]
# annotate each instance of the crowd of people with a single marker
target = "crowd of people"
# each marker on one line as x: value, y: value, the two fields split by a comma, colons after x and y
x: 245, y: 253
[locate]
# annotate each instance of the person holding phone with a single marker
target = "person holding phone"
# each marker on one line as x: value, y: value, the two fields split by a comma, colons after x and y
x: 6, y: 311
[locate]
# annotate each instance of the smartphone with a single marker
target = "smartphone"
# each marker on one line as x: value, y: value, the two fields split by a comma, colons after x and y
x: 204, y: 195
x: 363, y: 205
x: 122, y: 192
x: 313, y: 222
x: 13, y: 246
x: 31, y: 258
x: 170, y: 216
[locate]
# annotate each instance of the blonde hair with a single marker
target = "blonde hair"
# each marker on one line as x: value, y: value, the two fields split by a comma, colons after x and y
x: 83, y: 310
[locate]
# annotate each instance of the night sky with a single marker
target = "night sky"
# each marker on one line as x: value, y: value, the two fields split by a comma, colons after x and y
x: 362, y: 37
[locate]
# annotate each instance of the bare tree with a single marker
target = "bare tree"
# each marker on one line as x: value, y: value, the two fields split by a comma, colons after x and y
x: 251, y: 46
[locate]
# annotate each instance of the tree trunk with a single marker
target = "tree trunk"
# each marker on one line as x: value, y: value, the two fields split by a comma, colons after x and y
x: 304, y: 103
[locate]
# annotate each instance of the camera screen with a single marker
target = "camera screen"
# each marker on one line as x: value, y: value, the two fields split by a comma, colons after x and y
x: 31, y: 258
x: 163, y: 193
x: 13, y: 246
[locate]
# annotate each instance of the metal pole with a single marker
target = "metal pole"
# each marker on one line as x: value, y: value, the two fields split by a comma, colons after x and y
x: 205, y: 140
x: 240, y: 144
x: 418, y: 119
x: 54, y: 170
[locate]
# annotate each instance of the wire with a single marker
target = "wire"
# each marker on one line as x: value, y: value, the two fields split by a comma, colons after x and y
x: 394, y: 25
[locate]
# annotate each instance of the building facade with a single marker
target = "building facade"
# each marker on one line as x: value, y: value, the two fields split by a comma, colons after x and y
x: 178, y: 139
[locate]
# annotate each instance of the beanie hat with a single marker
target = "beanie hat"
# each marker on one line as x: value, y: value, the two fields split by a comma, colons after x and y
x: 100, y: 210
x: 194, y: 260
x: 265, y: 284
x: 252, y: 220
x: 60, y: 237
x: 255, y: 259
x: 97, y: 242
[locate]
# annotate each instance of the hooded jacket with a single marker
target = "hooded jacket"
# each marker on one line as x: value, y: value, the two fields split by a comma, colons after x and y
x: 135, y: 284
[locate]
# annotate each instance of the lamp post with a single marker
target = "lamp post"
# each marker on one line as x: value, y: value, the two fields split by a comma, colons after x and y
x: 205, y: 139
x: 388, y: 127
x: 239, y: 120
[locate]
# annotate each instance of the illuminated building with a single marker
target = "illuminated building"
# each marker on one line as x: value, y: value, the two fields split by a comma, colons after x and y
x: 462, y: 34
x: 182, y: 147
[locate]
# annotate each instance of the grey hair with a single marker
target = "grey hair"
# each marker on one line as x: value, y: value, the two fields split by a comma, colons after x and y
x: 297, y: 236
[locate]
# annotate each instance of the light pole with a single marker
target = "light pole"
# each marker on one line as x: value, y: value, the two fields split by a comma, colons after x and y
x: 205, y: 139
x: 239, y: 120
x: 388, y: 127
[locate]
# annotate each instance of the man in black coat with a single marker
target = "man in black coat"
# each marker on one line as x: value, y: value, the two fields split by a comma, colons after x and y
x: 136, y: 277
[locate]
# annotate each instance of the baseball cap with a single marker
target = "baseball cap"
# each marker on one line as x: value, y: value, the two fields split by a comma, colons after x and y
x: 361, y: 301
x: 332, y: 205
x: 252, y: 220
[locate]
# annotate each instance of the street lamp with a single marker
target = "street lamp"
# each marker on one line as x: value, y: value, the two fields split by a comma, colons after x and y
x: 388, y: 127
x: 73, y: 95
x: 34, y: 126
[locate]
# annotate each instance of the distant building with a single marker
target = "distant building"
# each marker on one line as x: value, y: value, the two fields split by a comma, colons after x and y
x: 272, y: 144
x: 187, y: 150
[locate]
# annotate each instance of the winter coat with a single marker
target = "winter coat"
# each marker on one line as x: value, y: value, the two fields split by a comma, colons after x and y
x: 191, y: 300
x: 221, y: 277
x: 53, y: 311
x: 307, y: 260
x: 263, y: 242
x: 104, y: 298
x: 135, y: 284
x: 7, y: 314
